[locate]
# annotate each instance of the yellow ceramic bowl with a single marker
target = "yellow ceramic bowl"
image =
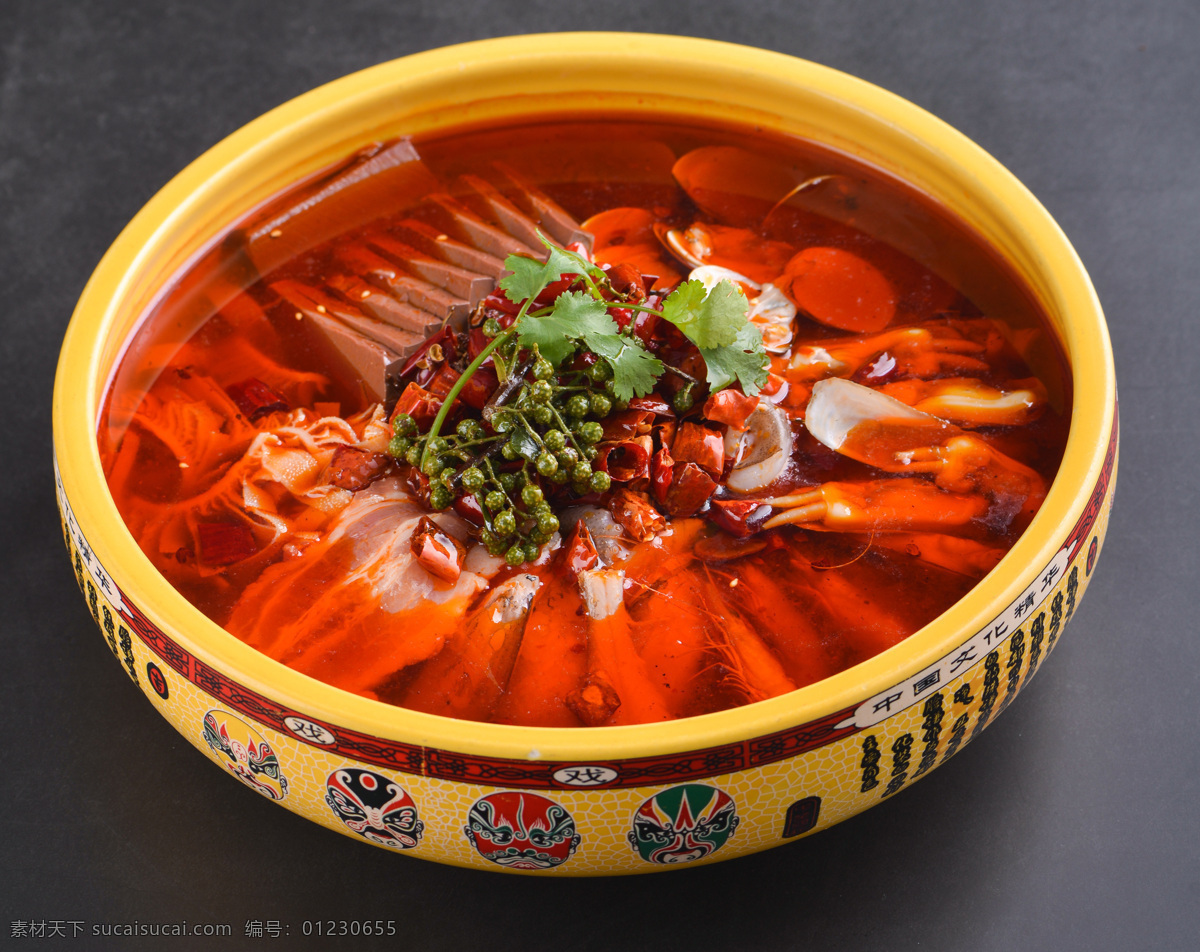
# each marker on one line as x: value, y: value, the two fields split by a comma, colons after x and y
x: 734, y: 782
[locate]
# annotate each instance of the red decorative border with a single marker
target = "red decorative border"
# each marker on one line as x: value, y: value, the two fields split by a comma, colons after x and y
x: 448, y: 765
x: 635, y: 772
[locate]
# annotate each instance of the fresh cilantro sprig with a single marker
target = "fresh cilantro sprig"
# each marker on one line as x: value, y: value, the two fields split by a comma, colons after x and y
x: 743, y: 361
x: 709, y: 319
x: 714, y: 320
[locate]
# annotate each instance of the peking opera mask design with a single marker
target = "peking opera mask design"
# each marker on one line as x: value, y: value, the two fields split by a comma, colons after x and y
x: 682, y: 824
x: 245, y: 754
x: 521, y: 831
x: 374, y: 807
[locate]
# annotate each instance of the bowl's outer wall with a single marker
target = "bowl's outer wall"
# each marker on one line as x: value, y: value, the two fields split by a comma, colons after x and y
x: 753, y: 777
x: 779, y: 786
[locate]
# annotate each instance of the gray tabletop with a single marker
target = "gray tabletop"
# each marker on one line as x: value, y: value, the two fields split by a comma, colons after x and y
x: 1071, y: 824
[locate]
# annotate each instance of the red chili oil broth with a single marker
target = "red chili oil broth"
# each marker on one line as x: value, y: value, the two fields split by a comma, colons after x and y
x: 834, y: 599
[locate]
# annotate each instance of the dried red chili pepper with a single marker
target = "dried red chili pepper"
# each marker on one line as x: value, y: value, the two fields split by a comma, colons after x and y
x: 730, y: 406
x: 625, y: 459
x: 354, y: 469
x: 627, y: 280
x: 418, y: 403
x: 700, y: 445
x: 690, y: 488
x: 653, y: 405
x: 738, y: 517
x: 255, y: 399
x: 634, y: 513
x: 439, y: 553
x: 580, y: 553
x: 627, y: 424
x: 479, y: 388
x: 662, y: 471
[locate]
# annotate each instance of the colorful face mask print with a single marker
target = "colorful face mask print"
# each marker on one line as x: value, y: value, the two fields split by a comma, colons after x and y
x: 245, y: 754
x: 374, y: 807
x: 521, y: 831
x: 682, y: 824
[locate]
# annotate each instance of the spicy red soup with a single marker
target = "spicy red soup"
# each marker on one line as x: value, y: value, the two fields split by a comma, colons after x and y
x: 585, y: 422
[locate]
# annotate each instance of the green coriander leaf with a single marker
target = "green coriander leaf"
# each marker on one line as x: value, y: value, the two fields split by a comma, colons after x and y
x: 708, y: 319
x: 529, y: 277
x: 635, y: 369
x: 575, y: 315
x: 583, y: 314
x: 743, y: 361
x: 570, y: 262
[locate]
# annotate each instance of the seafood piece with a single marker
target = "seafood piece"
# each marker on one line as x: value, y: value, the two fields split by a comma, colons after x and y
x: 604, y: 532
x: 626, y: 236
x: 968, y: 557
x: 760, y: 451
x: 879, y: 505
x: 739, y: 249
x: 344, y: 610
x: 787, y: 623
x: 466, y: 678
x: 736, y: 186
x: 839, y: 289
x: 749, y: 664
x: 970, y: 402
x: 920, y: 351
x: 551, y: 661
x: 880, y: 431
x: 618, y: 688
x: 672, y: 637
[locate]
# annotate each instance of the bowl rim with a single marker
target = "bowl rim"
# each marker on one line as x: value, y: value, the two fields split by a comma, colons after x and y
x: 745, y: 77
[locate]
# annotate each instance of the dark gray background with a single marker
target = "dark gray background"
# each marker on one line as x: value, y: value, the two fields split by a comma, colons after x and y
x: 1071, y: 824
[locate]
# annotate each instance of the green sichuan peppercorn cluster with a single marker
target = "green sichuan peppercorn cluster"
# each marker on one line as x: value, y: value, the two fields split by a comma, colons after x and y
x: 542, y: 441
x: 562, y: 367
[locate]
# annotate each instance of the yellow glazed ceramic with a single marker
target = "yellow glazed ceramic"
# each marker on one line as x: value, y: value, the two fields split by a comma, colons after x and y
x: 714, y: 787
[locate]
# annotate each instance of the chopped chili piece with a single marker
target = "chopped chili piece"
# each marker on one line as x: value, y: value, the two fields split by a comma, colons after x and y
x: 580, y: 554
x: 442, y: 380
x: 255, y: 399
x: 662, y: 471
x: 418, y: 403
x: 690, y: 488
x: 739, y: 517
x: 653, y: 405
x: 700, y: 445
x: 624, y: 460
x: 626, y: 424
x: 634, y: 513
x: 355, y: 469
x: 627, y: 280
x: 730, y: 406
x: 468, y: 507
x: 476, y: 391
x: 595, y: 701
x: 439, y: 553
